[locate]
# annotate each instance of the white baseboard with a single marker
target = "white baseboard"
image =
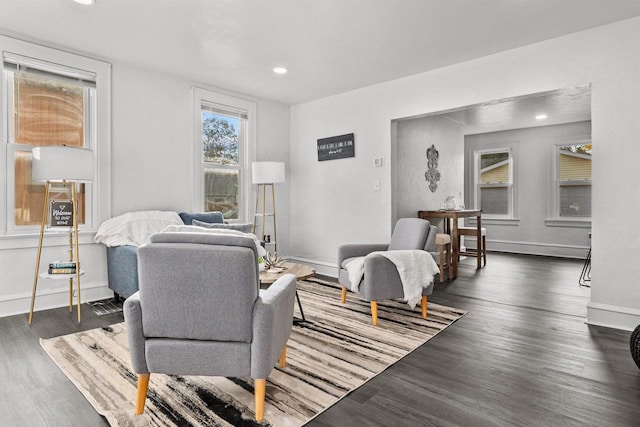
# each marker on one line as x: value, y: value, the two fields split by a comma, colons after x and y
x: 48, y: 298
x: 532, y: 248
x: 321, y: 267
x: 612, y: 316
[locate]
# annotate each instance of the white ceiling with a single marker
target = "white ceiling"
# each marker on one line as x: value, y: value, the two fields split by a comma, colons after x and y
x: 329, y: 46
x: 566, y: 105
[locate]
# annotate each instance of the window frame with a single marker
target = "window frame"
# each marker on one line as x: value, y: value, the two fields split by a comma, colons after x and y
x: 510, y: 185
x: 98, y: 139
x: 556, y: 183
x: 246, y: 147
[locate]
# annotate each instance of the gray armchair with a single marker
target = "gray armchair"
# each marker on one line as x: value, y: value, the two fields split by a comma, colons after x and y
x: 381, y: 279
x: 199, y: 311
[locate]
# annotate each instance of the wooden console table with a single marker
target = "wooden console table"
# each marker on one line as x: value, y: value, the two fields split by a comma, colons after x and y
x: 451, y: 227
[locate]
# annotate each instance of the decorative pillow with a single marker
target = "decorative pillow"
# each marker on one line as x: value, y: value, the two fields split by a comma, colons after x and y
x: 245, y: 227
x: 208, y: 217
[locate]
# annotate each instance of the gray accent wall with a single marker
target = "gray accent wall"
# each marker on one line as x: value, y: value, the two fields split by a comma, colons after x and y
x: 414, y: 136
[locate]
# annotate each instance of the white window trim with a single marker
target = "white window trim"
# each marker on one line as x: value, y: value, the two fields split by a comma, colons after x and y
x: 511, y: 185
x: 246, y: 154
x: 553, y: 212
x: 101, y: 195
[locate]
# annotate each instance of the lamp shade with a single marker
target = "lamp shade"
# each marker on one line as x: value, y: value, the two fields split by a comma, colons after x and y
x: 267, y: 172
x: 62, y: 163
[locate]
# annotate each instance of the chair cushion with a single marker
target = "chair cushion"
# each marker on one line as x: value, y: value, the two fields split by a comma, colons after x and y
x: 443, y: 239
x: 210, y: 217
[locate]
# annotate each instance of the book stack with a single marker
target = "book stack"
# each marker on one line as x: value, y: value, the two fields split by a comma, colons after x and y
x: 60, y: 267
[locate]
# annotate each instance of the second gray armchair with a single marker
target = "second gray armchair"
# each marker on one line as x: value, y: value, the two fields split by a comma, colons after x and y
x: 381, y: 279
x: 199, y: 311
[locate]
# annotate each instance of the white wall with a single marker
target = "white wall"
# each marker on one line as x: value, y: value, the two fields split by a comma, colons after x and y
x: 151, y: 150
x: 533, y: 181
x: 333, y: 202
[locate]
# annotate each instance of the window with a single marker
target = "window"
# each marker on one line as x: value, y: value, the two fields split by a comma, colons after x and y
x: 223, y: 133
x: 46, y: 106
x: 494, y: 182
x: 573, y: 181
x: 51, y: 98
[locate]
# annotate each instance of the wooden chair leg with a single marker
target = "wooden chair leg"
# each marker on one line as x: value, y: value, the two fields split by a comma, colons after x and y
x: 484, y: 249
x: 423, y: 304
x: 283, y: 357
x: 441, y: 263
x: 449, y: 261
x: 343, y: 298
x: 374, y: 313
x: 259, y: 388
x: 143, y: 386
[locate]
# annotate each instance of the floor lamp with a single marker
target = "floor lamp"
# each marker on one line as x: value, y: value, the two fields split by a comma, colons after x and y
x: 66, y: 166
x: 266, y: 174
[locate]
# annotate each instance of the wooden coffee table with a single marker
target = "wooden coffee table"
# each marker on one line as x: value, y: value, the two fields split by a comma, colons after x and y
x: 301, y: 271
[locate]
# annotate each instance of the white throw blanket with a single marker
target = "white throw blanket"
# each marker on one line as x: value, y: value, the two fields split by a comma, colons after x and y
x: 135, y: 228
x: 415, y: 267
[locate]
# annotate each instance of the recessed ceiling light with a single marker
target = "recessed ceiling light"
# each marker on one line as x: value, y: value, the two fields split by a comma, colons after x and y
x: 85, y: 2
x: 541, y: 116
x: 280, y: 70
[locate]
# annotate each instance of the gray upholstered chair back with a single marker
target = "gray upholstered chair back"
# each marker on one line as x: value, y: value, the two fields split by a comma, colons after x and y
x: 409, y: 233
x: 430, y: 244
x: 215, y: 278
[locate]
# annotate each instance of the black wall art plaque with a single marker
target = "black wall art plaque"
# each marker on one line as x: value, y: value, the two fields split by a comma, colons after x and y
x: 336, y: 147
x: 61, y: 214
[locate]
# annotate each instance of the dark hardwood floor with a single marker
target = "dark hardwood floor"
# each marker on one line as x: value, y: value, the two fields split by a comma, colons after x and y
x: 523, y: 356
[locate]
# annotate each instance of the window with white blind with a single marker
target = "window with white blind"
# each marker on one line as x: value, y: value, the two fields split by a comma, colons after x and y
x: 573, y: 181
x: 223, y: 133
x: 50, y: 98
x: 494, y: 182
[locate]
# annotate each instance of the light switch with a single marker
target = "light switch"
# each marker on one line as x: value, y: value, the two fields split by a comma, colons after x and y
x: 376, y: 185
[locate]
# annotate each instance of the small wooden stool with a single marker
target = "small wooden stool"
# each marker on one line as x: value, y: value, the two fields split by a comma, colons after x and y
x: 443, y: 242
x: 473, y: 231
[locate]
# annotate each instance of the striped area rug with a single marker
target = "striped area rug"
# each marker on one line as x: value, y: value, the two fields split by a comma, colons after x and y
x: 335, y: 352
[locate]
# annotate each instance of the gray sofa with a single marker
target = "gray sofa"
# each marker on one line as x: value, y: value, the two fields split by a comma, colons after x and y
x: 122, y: 262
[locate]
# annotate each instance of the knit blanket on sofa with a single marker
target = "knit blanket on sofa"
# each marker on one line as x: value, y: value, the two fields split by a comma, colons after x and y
x: 135, y: 228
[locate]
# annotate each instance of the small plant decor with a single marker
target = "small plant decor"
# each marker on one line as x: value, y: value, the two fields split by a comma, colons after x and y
x: 272, y: 260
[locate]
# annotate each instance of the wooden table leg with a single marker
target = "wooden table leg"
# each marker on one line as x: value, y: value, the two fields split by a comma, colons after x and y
x: 479, y: 242
x: 454, y: 246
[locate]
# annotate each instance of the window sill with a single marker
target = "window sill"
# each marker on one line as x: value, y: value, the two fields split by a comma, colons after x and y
x: 50, y: 239
x: 565, y: 222
x: 496, y: 221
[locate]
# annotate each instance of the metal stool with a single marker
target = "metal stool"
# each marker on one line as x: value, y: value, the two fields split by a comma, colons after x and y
x: 585, y: 276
